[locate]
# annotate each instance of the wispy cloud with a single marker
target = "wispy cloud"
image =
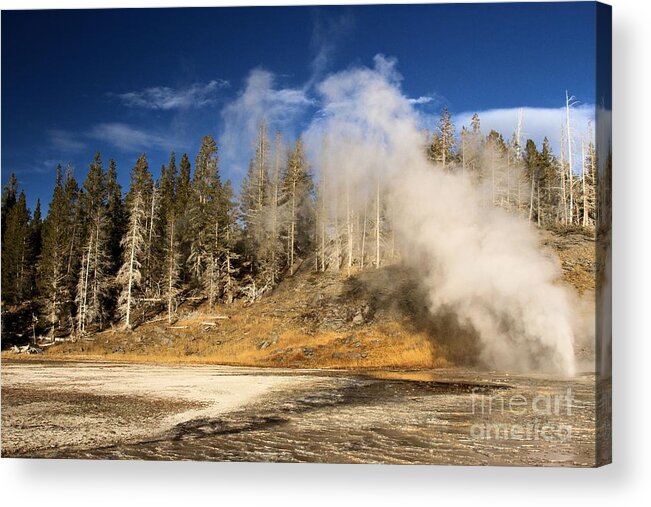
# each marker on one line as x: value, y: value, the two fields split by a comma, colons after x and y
x: 260, y: 98
x: 431, y: 100
x: 423, y: 99
x: 166, y: 98
x: 65, y: 141
x: 47, y: 166
x: 326, y: 33
x: 126, y: 137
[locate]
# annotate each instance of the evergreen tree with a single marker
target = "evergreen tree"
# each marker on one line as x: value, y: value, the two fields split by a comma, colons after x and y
x: 205, y: 220
x: 142, y: 185
x: 133, y: 245
x: 171, y: 253
x: 476, y: 124
x: 274, y: 247
x: 588, y: 192
x: 298, y: 188
x: 17, y: 254
x: 36, y: 231
x: 228, y: 253
x: 76, y: 224
x: 135, y: 240
x: 8, y: 200
x: 443, y: 141
x: 259, y: 207
x: 183, y: 215
x: 55, y: 249
x: 93, y: 284
x: 115, y: 217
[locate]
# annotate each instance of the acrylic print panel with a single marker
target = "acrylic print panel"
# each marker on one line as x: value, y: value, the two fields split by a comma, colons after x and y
x: 355, y: 234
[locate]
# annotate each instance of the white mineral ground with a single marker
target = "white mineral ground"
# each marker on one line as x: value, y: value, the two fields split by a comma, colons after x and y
x: 124, y: 402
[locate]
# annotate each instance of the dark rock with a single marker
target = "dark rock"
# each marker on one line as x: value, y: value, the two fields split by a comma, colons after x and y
x: 308, y: 351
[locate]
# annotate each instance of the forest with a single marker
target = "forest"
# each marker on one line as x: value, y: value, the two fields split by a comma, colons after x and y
x: 102, y: 257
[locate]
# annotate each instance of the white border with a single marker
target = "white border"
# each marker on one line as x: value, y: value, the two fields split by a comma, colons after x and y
x: 51, y: 483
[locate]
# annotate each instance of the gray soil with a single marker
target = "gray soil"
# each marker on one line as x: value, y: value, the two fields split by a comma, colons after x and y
x: 112, y: 411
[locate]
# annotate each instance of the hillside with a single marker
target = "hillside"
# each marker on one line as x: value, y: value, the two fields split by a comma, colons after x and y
x: 374, y: 318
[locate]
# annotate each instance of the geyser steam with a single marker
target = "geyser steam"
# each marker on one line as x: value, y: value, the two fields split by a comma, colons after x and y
x: 476, y: 260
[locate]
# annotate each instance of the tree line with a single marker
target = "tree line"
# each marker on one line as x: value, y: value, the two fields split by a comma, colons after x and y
x: 102, y: 258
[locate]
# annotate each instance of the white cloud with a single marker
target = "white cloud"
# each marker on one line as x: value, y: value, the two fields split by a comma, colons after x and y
x: 537, y: 123
x: 126, y: 137
x: 423, y: 99
x: 280, y: 107
x: 65, y: 141
x: 166, y: 98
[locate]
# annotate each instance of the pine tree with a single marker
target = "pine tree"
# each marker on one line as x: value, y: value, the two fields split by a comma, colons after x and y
x: 298, y: 189
x: 17, y: 254
x: 171, y: 268
x: 142, y: 185
x: 274, y: 246
x: 76, y: 225
x: 9, y: 193
x: 475, y: 122
x: 93, y: 285
x: 171, y: 254
x: 55, y: 248
x: 183, y: 215
x: 115, y: 217
x: 36, y: 227
x: 261, y: 161
x: 493, y: 164
x: 205, y: 223
x: 131, y: 276
x: 133, y: 245
x: 228, y: 254
x: 260, y: 196
x: 443, y: 142
x: 589, y: 168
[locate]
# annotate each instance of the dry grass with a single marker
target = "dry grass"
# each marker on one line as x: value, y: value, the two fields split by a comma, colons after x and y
x: 238, y: 342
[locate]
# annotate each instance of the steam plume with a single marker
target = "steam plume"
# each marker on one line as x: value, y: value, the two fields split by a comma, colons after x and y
x: 476, y: 260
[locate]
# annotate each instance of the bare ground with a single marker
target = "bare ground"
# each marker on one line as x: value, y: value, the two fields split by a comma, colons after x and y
x: 56, y: 405
x: 117, y: 411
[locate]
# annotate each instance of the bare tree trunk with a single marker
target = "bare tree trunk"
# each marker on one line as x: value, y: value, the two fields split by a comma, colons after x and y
x: 132, y: 258
x: 538, y: 191
x: 463, y: 153
x: 493, y: 174
x: 377, y: 223
x: 349, y: 230
x: 363, y: 252
x: 585, y: 197
x: 337, y: 232
x: 170, y: 274
x: 563, y: 185
x: 531, y: 199
x: 96, y: 281
x: 292, y: 231
x: 569, y: 154
x: 274, y: 218
x: 508, y: 179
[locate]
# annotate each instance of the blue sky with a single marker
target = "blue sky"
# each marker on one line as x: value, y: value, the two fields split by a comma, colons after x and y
x: 155, y: 80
